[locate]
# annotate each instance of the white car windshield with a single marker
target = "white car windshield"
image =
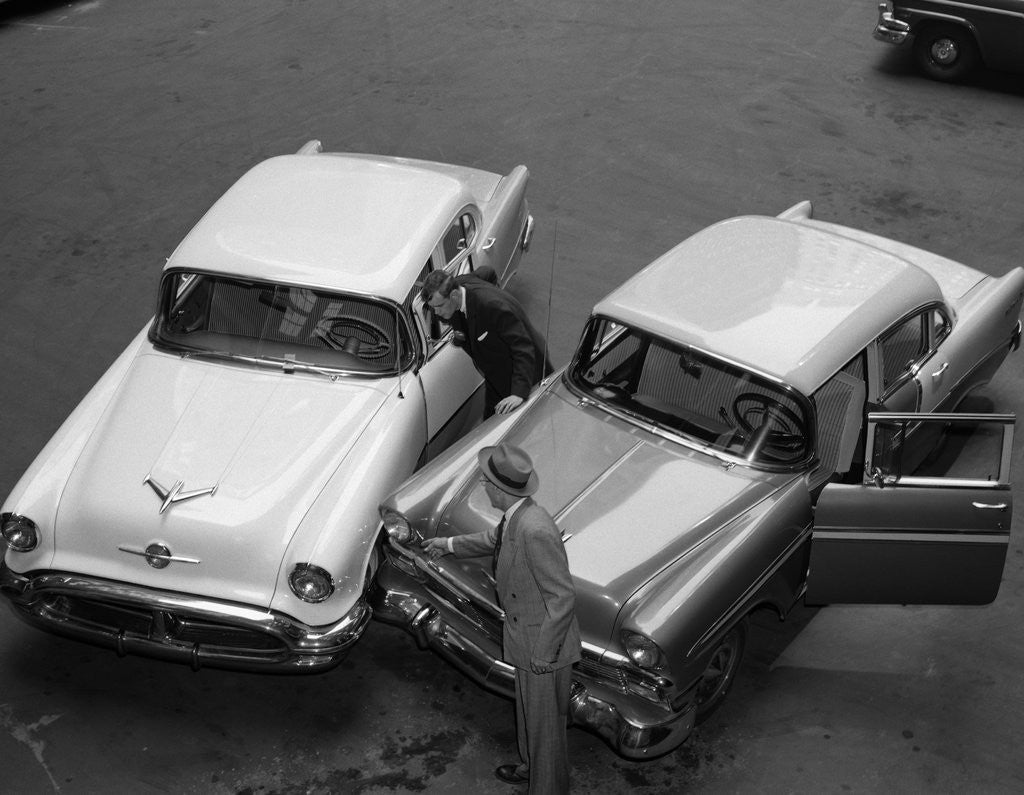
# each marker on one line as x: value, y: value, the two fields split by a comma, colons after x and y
x: 280, y: 324
x: 717, y: 405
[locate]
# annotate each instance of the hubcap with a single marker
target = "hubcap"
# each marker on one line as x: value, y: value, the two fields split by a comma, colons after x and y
x: 944, y: 51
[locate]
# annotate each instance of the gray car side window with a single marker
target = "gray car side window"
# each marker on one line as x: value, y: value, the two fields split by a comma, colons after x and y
x: 902, y: 347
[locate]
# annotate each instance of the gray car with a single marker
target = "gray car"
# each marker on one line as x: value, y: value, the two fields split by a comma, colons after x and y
x: 950, y: 38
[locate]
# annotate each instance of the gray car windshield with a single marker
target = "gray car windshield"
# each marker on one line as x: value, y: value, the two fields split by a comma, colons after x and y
x: 275, y: 323
x: 717, y: 405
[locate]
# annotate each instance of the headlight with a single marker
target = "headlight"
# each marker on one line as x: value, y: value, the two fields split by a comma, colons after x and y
x: 19, y: 532
x: 396, y: 526
x: 310, y: 583
x: 643, y: 651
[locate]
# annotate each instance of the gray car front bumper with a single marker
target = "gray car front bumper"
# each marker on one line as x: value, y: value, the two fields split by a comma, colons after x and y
x: 634, y: 728
x: 889, y: 29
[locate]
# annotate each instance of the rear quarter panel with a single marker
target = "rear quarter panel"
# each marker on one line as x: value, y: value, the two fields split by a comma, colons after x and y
x: 978, y: 344
x: 504, y: 218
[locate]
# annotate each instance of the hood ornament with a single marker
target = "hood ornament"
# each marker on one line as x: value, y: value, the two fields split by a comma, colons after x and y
x: 175, y: 493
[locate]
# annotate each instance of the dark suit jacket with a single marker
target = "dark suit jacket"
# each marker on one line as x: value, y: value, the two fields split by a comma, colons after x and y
x: 505, y: 347
x: 534, y: 587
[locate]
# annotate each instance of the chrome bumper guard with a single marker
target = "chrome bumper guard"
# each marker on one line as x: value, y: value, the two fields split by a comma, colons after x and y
x: 178, y: 627
x: 889, y: 29
x: 400, y: 599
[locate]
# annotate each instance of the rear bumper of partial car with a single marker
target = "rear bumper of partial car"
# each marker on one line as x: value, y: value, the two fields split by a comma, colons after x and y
x: 634, y: 728
x: 177, y: 627
x: 890, y: 29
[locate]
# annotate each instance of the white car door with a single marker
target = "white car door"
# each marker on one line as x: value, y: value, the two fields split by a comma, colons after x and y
x: 934, y: 532
x: 452, y: 387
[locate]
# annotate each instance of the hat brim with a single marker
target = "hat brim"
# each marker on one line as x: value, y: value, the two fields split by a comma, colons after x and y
x: 484, y: 457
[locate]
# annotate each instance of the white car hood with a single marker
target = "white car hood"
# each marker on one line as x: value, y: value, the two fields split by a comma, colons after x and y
x: 266, y: 441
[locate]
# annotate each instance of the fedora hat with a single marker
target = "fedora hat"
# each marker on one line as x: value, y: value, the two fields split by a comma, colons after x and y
x: 509, y: 468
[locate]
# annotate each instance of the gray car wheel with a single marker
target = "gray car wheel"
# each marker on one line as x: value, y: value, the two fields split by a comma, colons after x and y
x: 721, y: 670
x: 945, y: 52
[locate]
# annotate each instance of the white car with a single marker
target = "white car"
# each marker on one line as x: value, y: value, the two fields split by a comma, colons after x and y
x: 213, y: 499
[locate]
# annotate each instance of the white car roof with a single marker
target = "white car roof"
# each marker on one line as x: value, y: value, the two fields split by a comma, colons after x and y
x: 784, y: 298
x: 357, y: 223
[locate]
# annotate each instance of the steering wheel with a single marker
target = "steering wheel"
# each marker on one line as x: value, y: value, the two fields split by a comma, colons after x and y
x: 356, y: 336
x: 753, y: 411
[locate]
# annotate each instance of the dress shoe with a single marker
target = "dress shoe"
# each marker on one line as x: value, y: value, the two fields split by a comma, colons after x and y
x: 510, y: 774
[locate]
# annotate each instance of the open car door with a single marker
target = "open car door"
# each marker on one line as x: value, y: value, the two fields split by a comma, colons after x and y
x: 452, y: 386
x: 936, y: 534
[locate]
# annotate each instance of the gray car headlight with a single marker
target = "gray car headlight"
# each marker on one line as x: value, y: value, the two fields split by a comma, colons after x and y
x: 396, y: 526
x: 19, y: 532
x: 310, y: 583
x: 643, y: 651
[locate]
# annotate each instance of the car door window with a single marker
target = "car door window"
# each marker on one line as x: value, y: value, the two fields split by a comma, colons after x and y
x: 456, y: 243
x: 901, y: 348
x: 940, y: 326
x: 930, y: 449
x: 436, y: 333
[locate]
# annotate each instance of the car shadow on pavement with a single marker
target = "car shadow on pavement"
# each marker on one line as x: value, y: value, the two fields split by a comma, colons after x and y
x: 24, y: 10
x: 898, y: 64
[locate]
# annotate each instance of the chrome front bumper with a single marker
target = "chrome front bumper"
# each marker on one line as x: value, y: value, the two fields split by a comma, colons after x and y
x: 178, y: 627
x: 889, y: 29
x: 596, y: 705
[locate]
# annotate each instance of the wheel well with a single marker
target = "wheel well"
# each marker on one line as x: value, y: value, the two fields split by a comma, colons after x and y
x: 924, y: 26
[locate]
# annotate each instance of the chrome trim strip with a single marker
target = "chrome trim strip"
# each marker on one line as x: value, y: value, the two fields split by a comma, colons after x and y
x: 939, y: 416
x: 952, y: 483
x: 968, y: 6
x: 597, y: 482
x: 881, y: 535
x: 169, y: 558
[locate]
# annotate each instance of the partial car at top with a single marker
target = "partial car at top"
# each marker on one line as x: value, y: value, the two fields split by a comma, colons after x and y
x: 213, y: 499
x: 952, y: 38
x: 766, y: 413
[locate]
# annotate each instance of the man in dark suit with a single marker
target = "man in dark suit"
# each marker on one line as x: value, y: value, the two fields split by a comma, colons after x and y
x: 541, y: 637
x: 493, y: 328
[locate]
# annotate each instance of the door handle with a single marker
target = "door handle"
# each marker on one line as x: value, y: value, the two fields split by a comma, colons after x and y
x: 941, y: 370
x: 985, y: 506
x: 487, y: 244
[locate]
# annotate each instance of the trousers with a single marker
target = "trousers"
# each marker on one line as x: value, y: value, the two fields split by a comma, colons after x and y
x: 542, y: 707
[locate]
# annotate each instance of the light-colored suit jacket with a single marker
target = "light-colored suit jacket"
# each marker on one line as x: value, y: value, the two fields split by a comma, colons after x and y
x: 534, y: 587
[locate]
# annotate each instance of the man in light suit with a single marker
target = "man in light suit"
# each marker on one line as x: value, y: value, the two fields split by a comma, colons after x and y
x: 492, y: 327
x: 541, y: 637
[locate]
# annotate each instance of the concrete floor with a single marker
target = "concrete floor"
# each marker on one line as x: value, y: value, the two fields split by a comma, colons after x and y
x: 121, y: 122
